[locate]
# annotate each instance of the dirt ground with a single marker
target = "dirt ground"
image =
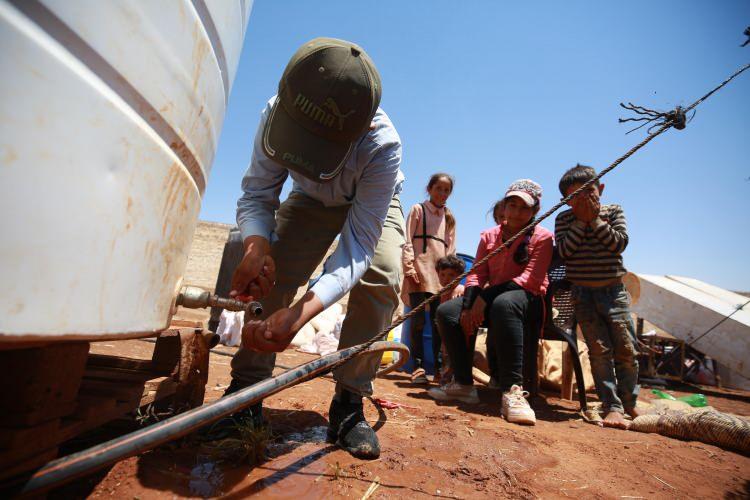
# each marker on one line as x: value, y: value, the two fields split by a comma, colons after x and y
x: 430, y: 449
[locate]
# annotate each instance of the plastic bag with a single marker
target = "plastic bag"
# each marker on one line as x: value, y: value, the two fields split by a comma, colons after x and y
x: 230, y: 327
x: 694, y: 400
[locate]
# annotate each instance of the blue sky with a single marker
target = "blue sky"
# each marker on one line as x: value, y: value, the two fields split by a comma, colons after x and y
x: 493, y: 91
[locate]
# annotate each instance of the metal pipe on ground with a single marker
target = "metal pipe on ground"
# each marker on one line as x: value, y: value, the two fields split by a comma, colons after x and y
x: 66, y: 469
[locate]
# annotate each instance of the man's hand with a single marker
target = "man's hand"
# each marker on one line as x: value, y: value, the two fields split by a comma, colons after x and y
x: 414, y: 277
x: 275, y: 333
x: 256, y: 274
x: 471, y: 319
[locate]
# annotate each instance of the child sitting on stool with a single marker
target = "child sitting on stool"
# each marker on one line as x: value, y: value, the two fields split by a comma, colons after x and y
x: 448, y: 268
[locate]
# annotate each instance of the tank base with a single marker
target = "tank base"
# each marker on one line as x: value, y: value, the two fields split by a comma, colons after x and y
x: 54, y: 393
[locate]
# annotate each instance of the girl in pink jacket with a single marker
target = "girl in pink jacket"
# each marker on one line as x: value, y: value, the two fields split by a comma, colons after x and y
x: 500, y: 294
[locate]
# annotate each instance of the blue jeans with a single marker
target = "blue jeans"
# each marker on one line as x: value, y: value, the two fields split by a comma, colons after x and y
x: 603, y: 314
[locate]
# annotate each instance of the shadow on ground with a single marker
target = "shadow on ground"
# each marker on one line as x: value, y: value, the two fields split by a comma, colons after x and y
x: 185, y: 468
x: 545, y: 407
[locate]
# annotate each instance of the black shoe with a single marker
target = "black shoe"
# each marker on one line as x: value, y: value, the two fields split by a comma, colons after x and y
x: 348, y: 429
x: 227, y: 426
x: 254, y: 412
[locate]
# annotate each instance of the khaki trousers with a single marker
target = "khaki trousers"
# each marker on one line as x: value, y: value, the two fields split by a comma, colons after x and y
x: 306, y: 229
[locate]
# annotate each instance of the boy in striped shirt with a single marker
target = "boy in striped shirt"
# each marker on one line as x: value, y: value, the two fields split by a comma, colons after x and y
x: 591, y: 238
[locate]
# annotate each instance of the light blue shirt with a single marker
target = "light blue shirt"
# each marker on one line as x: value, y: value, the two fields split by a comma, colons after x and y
x: 368, y: 181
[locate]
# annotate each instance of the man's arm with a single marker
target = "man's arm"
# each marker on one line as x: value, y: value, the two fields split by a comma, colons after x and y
x: 261, y: 187
x: 363, y: 226
x: 613, y: 234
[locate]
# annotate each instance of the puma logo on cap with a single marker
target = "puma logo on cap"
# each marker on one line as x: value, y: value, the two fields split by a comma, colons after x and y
x: 314, y: 111
x: 297, y: 160
x: 320, y: 115
x: 331, y: 104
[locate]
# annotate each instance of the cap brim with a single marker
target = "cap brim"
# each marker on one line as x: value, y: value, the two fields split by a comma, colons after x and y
x: 290, y: 144
x: 526, y: 197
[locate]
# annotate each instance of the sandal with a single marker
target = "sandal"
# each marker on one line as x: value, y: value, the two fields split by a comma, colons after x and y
x: 419, y: 377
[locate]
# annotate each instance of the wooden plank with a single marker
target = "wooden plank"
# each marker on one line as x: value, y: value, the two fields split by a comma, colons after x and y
x: 31, y: 438
x: 70, y: 427
x: 192, y: 370
x: 185, y: 323
x: 39, y: 415
x: 57, y: 408
x: 107, y: 361
x: 89, y: 406
x: 17, y: 467
x: 120, y: 375
x: 119, y: 391
x: 100, y: 403
x: 74, y: 426
x: 31, y: 385
x: 158, y: 390
x: 167, y: 351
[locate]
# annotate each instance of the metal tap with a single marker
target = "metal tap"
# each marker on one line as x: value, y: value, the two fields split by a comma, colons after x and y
x: 193, y: 297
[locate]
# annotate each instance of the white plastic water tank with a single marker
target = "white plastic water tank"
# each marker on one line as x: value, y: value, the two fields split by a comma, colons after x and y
x: 110, y: 113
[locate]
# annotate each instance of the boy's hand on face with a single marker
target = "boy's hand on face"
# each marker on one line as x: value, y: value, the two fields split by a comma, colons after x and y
x: 586, y: 207
x: 594, y: 205
x: 580, y: 208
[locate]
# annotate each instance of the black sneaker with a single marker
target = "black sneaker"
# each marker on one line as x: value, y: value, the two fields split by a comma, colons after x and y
x: 227, y: 426
x: 254, y: 412
x: 348, y: 429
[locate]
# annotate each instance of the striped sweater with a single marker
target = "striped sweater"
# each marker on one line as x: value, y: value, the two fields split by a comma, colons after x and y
x: 592, y: 252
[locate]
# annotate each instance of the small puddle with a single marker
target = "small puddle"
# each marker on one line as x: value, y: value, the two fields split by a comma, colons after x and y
x: 288, y: 442
x: 206, y: 479
x: 209, y: 478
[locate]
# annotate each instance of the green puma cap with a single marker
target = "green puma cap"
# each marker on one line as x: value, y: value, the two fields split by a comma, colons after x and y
x: 328, y: 95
